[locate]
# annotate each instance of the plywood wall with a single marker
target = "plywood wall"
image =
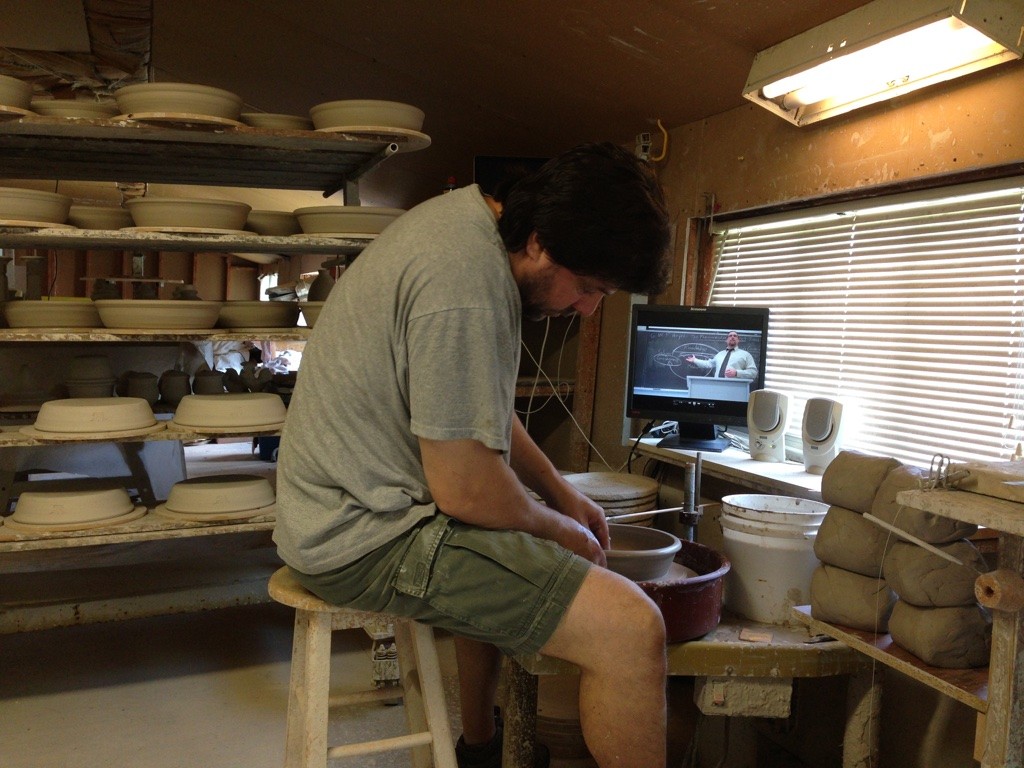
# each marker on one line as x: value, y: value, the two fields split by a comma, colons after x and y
x: 748, y: 158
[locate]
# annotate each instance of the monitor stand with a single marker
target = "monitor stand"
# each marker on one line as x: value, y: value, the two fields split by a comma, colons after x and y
x: 695, y: 437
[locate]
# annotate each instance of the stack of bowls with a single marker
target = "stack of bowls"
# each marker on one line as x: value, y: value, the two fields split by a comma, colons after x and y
x: 618, y: 493
x: 89, y: 376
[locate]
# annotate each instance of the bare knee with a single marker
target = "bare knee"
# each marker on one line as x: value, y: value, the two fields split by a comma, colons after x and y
x: 610, y: 618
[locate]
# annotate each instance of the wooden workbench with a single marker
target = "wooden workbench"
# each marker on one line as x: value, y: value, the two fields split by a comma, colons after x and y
x: 736, y: 649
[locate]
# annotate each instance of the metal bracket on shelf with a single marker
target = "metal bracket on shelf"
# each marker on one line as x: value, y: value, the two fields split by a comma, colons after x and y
x: 349, y: 182
x: 939, y: 475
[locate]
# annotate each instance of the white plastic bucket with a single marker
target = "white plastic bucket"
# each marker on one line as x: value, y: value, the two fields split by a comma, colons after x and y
x: 770, y: 542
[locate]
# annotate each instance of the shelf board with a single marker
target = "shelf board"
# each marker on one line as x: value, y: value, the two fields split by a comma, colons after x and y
x: 128, y: 239
x: 149, y: 527
x: 968, y: 686
x: 35, y: 147
x: 12, y: 437
x: 51, y: 335
x: 986, y: 511
x: 525, y: 387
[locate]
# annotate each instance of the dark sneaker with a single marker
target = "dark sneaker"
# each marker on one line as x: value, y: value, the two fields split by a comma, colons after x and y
x: 489, y: 755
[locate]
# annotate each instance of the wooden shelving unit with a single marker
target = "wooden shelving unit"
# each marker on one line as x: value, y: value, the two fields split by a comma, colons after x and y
x: 125, y: 150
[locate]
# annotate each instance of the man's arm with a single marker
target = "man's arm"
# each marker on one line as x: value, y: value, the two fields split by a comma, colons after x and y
x: 472, y: 483
x: 537, y: 473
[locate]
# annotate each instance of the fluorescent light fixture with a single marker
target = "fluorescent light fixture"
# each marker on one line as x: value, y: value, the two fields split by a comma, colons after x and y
x: 881, y: 50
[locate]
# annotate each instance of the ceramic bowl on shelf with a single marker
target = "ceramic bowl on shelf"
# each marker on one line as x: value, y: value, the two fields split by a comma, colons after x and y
x: 277, y: 121
x: 218, y: 494
x: 311, y: 311
x: 233, y: 411
x: 94, y: 416
x: 87, y: 216
x: 34, y: 205
x: 170, y: 314
x: 60, y: 508
x: 178, y: 99
x: 273, y: 223
x: 76, y: 108
x: 258, y: 314
x: 188, y: 213
x: 52, y: 313
x: 15, y: 93
x: 345, y: 219
x: 366, y: 113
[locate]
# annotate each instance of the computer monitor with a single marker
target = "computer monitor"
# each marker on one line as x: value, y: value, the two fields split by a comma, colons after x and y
x: 681, y: 369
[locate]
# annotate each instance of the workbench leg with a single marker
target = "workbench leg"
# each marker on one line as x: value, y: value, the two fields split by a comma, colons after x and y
x: 1004, y: 721
x: 863, y: 710
x: 520, y: 715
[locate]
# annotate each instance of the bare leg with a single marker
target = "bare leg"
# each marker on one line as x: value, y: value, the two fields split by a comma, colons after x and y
x: 479, y: 667
x: 616, y: 636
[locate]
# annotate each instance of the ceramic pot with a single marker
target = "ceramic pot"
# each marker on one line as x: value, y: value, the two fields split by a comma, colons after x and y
x: 208, y: 383
x: 320, y: 288
x: 173, y: 386
x: 143, y: 384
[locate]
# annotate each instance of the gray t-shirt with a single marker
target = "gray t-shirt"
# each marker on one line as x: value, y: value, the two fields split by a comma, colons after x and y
x: 419, y: 338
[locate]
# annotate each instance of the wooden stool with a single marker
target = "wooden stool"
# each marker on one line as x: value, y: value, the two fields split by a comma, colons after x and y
x: 309, y: 688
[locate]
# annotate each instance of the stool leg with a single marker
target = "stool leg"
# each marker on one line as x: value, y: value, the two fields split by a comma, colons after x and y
x: 425, y: 707
x: 308, y: 691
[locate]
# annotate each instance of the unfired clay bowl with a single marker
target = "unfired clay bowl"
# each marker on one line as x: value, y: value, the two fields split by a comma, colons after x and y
x: 195, y: 213
x: 311, y: 311
x: 33, y: 205
x: 15, y: 93
x: 57, y: 508
x: 99, y: 216
x: 258, y: 314
x: 277, y: 121
x: 93, y: 415
x: 345, y: 219
x: 74, y: 108
x: 52, y: 313
x: 640, y: 553
x: 366, y: 112
x: 220, y: 493
x: 178, y: 98
x: 158, y: 313
x: 279, y: 223
x: 234, y: 410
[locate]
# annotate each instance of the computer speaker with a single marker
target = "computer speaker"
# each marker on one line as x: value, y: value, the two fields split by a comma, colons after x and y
x: 767, y: 419
x: 822, y: 428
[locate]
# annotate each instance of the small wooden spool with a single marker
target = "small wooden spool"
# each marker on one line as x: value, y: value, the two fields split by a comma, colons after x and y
x: 1000, y: 590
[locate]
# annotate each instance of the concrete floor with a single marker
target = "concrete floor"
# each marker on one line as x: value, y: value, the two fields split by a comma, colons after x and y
x: 201, y: 689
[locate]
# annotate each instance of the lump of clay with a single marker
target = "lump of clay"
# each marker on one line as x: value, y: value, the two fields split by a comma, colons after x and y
x: 850, y: 599
x: 933, y: 529
x: 953, y: 638
x: 853, y: 478
x: 926, y: 580
x: 851, y: 542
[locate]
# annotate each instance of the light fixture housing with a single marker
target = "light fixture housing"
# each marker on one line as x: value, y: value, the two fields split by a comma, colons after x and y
x: 881, y: 50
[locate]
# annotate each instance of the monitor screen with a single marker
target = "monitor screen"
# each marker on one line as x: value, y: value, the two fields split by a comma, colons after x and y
x: 696, y: 366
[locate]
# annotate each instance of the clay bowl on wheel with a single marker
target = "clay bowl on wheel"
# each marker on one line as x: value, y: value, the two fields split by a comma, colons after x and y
x: 640, y: 553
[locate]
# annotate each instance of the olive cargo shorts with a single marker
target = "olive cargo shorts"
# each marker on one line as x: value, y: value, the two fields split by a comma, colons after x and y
x: 506, y: 588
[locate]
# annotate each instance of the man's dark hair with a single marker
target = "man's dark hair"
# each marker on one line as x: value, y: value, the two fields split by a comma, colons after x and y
x: 598, y: 211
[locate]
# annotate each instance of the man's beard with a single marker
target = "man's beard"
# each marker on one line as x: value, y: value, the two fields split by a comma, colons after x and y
x: 530, y: 290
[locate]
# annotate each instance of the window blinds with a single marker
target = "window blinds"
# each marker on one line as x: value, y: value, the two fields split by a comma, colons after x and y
x: 909, y: 310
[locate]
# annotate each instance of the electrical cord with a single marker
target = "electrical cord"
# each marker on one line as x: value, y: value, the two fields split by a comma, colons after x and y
x: 636, y: 444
